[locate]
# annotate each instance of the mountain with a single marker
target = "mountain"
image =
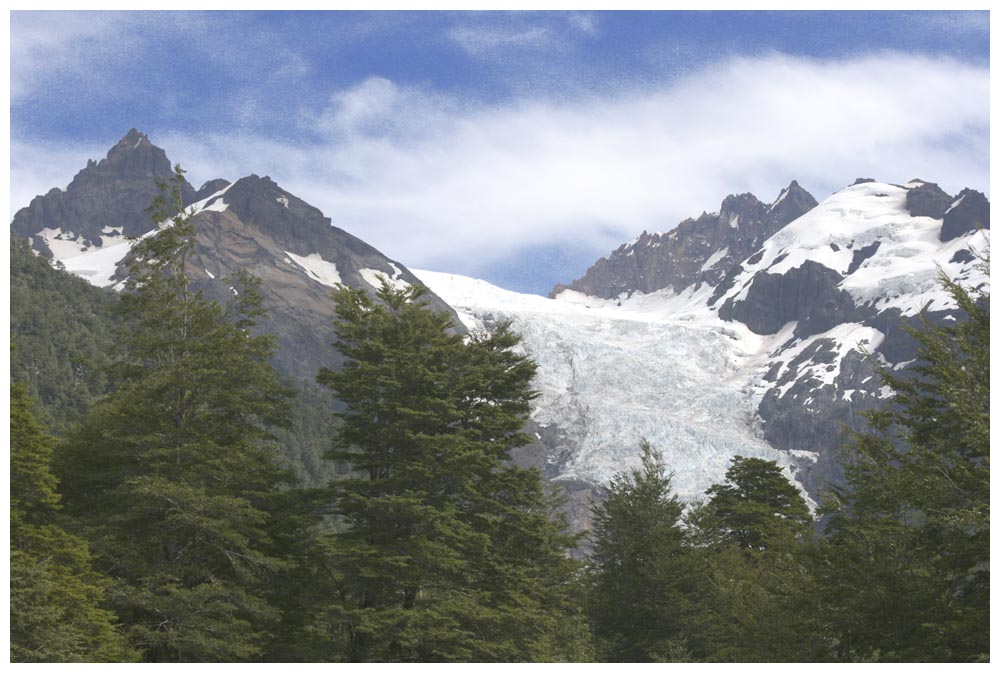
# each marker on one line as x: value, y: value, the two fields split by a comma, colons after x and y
x: 251, y: 224
x: 802, y: 306
x: 756, y: 330
x: 696, y: 251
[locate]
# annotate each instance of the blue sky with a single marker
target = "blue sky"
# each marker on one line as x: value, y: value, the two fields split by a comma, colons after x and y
x: 514, y: 146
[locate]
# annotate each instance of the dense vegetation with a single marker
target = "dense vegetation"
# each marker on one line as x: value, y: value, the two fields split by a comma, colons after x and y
x: 165, y: 524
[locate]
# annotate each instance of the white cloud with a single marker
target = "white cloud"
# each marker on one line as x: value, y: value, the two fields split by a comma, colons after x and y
x: 446, y: 184
x: 44, y: 45
x: 585, y: 22
x: 479, y: 40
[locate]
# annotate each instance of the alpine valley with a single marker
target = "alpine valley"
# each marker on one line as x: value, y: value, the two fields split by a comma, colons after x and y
x: 756, y: 330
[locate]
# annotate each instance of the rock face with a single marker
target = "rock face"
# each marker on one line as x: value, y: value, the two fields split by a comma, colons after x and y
x: 113, y: 194
x: 252, y: 224
x: 970, y: 212
x: 698, y: 251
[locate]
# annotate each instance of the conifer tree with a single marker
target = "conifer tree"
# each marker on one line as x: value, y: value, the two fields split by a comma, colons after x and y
x: 754, y: 540
x: 55, y: 596
x: 756, y: 506
x: 173, y: 475
x: 645, y: 584
x: 445, y: 553
x: 908, y: 554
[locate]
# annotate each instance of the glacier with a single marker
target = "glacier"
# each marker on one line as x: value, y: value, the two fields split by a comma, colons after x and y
x: 659, y: 367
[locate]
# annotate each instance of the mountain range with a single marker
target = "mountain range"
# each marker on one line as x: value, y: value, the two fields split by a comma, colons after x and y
x: 756, y: 330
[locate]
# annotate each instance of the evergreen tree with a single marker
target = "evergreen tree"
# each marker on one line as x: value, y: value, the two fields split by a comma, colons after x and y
x: 645, y: 583
x: 757, y: 506
x: 908, y: 556
x: 173, y: 475
x: 55, y: 596
x: 755, y: 544
x: 445, y: 552
x: 61, y: 328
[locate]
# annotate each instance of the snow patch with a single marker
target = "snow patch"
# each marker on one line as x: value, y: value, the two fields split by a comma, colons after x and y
x: 374, y: 278
x: 317, y: 268
x: 716, y: 257
x: 211, y: 203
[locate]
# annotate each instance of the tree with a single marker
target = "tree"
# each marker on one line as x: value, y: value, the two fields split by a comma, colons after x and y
x: 61, y: 327
x: 445, y: 552
x: 173, y: 476
x: 756, y: 506
x: 755, y: 543
x: 643, y: 601
x: 908, y: 554
x: 55, y: 596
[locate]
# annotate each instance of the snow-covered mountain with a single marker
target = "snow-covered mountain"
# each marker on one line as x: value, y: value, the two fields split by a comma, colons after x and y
x: 250, y: 224
x: 807, y: 307
x: 742, y: 332
x: 660, y: 367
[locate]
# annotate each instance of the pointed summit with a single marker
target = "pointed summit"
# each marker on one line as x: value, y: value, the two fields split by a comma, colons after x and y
x: 117, y: 189
x: 134, y: 138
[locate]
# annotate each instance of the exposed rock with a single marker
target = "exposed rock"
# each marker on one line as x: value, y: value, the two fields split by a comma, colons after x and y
x: 808, y: 294
x: 971, y: 211
x: 926, y: 199
x: 257, y: 230
x: 117, y: 192
x: 209, y: 188
x: 702, y: 250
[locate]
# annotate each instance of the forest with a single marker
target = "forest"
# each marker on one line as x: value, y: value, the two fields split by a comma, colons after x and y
x: 173, y: 499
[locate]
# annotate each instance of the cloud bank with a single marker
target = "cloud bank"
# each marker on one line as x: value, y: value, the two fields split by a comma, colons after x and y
x: 440, y: 182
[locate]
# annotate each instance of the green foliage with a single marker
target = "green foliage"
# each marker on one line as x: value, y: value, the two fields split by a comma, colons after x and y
x: 645, y: 582
x: 753, y: 538
x: 55, y: 596
x: 444, y: 552
x: 757, y: 506
x: 61, y: 330
x: 907, y: 563
x: 174, y: 476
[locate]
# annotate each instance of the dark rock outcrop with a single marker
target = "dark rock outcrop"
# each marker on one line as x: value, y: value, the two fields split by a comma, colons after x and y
x: 260, y: 224
x: 927, y: 200
x: 209, y: 188
x: 701, y: 250
x: 808, y: 293
x: 970, y: 213
x: 115, y: 192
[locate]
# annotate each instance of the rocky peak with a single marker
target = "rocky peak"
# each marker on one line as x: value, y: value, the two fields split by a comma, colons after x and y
x: 741, y: 208
x: 793, y: 202
x: 114, y: 193
x: 926, y: 199
x: 209, y: 188
x: 969, y: 212
x: 702, y: 250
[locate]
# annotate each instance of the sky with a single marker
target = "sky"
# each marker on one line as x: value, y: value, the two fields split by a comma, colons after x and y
x: 517, y: 147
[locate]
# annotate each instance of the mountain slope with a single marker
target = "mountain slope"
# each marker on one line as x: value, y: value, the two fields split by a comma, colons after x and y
x: 840, y: 281
x: 696, y: 251
x: 251, y: 224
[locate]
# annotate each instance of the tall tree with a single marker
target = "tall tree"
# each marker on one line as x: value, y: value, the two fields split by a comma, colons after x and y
x: 445, y: 552
x: 755, y: 542
x: 908, y: 555
x: 645, y: 584
x: 173, y: 475
x: 55, y: 596
x: 757, y: 506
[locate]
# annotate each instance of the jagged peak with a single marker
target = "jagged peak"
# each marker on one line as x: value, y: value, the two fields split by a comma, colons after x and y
x: 796, y: 191
x: 134, y: 138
